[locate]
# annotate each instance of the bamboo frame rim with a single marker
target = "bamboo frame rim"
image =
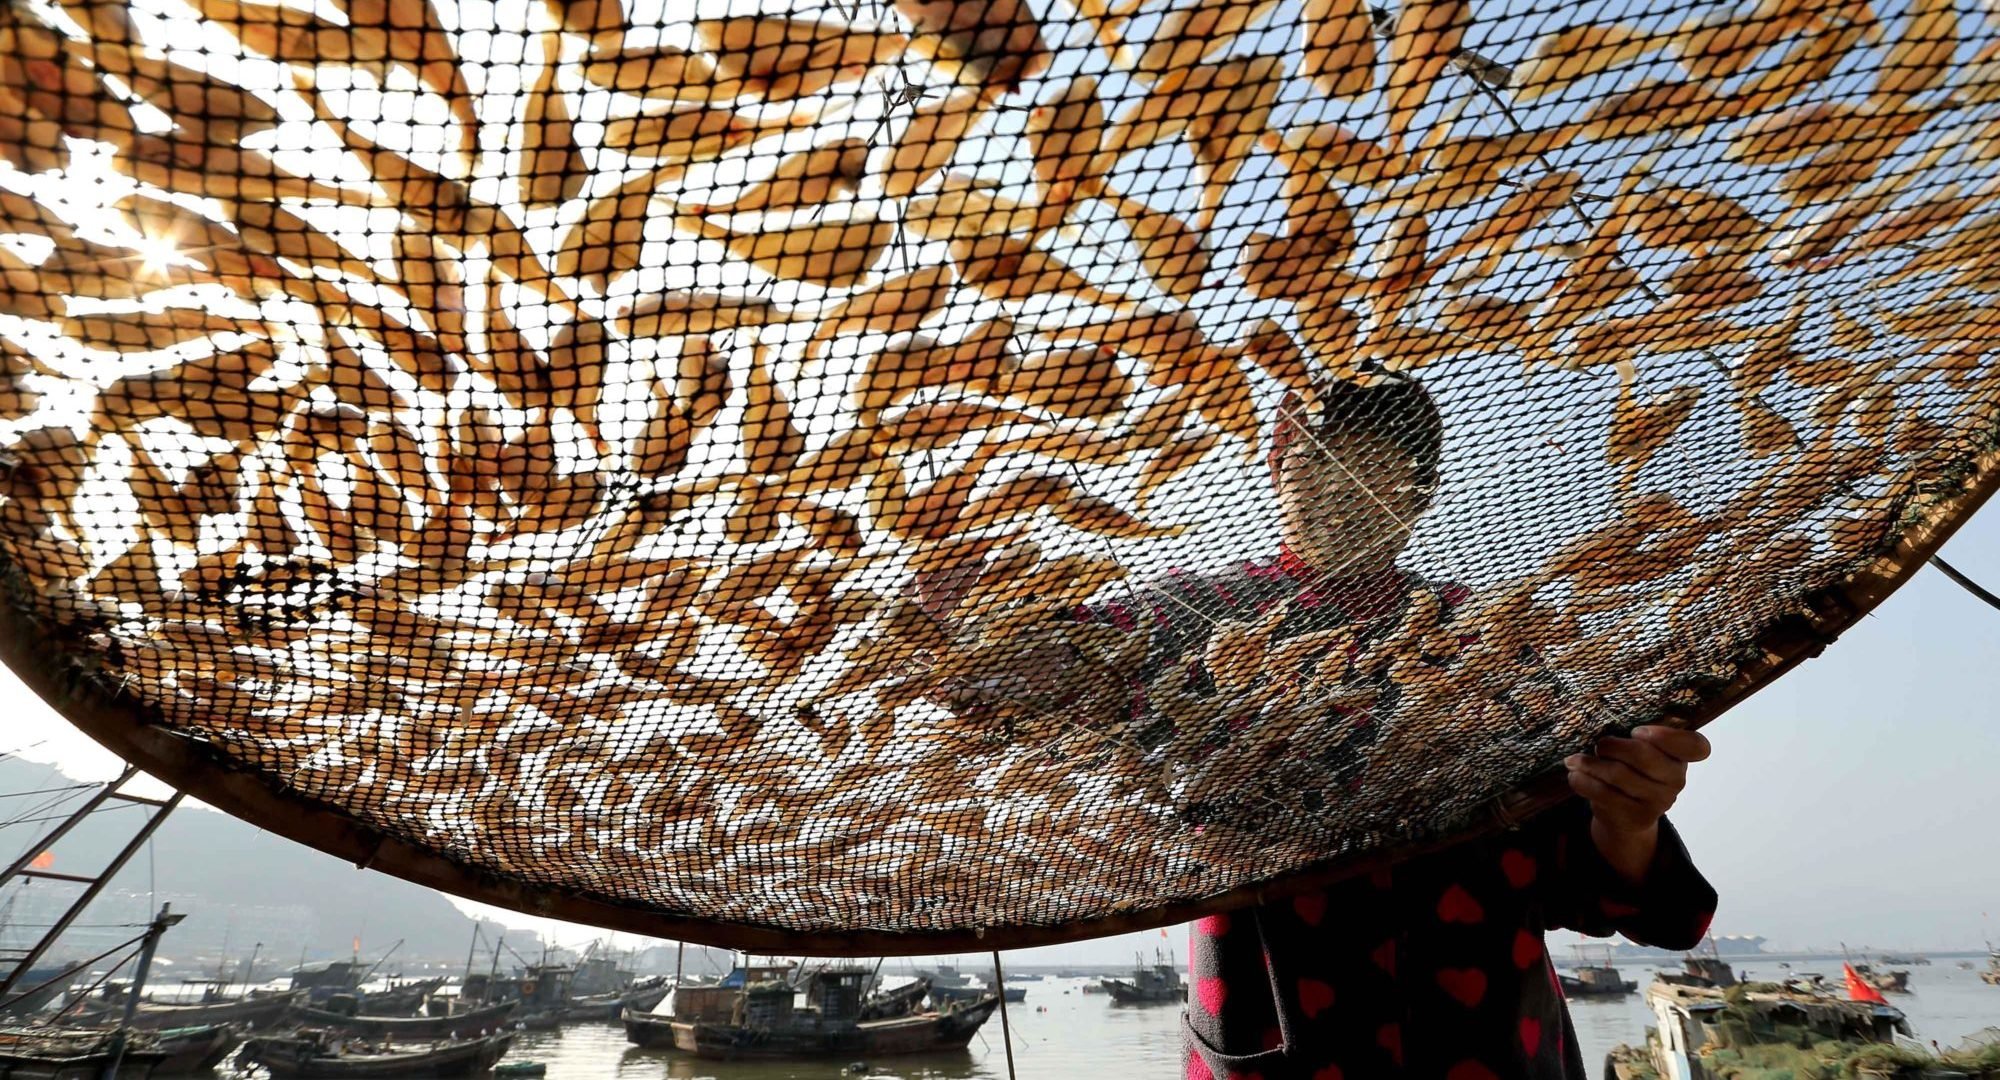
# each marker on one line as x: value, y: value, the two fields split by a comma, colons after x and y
x: 121, y: 726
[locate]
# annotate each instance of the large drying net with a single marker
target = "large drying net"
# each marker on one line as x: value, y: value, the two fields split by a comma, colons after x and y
x: 870, y: 474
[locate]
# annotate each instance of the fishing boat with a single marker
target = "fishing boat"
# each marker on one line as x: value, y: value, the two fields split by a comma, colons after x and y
x: 1596, y: 981
x: 324, y: 1055
x: 648, y: 1030
x: 195, y: 1049
x: 1894, y: 981
x: 1157, y: 984
x: 902, y: 1001
x: 950, y: 986
x: 254, y: 1010
x: 43, y: 1053
x: 642, y: 996
x: 403, y: 1028
x: 761, y: 1018
x: 400, y: 1000
x: 1752, y: 1030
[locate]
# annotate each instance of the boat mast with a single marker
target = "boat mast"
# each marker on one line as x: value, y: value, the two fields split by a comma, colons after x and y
x: 470, y: 948
x: 161, y: 922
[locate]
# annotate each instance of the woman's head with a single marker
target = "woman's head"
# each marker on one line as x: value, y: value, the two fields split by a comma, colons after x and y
x: 1353, y: 473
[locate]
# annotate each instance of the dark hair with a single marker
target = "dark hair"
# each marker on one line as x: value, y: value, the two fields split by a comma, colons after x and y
x: 1395, y: 409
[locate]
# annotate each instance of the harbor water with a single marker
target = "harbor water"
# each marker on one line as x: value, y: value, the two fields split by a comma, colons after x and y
x: 1060, y: 1032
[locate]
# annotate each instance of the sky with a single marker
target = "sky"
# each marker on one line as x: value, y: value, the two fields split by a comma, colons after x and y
x: 1854, y: 800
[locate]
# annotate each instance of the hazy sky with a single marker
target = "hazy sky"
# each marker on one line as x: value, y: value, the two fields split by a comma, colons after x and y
x: 1856, y: 800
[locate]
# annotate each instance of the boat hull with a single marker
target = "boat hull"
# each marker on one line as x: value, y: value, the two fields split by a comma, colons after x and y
x: 285, y: 1058
x: 460, y: 1025
x: 920, y: 1034
x: 648, y: 1031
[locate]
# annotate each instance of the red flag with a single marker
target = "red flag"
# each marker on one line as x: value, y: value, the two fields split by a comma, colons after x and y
x: 1859, y: 990
x: 1163, y: 931
x: 43, y: 861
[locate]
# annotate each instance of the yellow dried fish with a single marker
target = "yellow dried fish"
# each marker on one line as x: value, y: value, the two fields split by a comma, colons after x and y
x: 1337, y: 153
x: 1639, y: 429
x: 692, y: 134
x: 1558, y: 61
x: 829, y: 254
x: 1006, y: 268
x: 1174, y: 253
x: 1065, y: 133
x: 930, y: 139
x: 807, y: 178
x: 979, y: 43
x: 1300, y: 268
x: 771, y: 442
x: 1921, y: 59
x: 1654, y: 107
x: 1426, y: 37
x: 1221, y: 100
x: 897, y: 306
x: 1176, y: 458
x: 553, y: 170
x: 967, y: 208
x: 662, y: 72
x: 1190, y: 34
x: 895, y: 373
x: 1079, y: 383
x: 684, y: 312
x: 779, y: 59
x: 1339, y: 54
x: 1493, y: 237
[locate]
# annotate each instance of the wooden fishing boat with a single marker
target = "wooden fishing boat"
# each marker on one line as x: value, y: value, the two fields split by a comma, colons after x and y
x: 640, y: 996
x: 1159, y: 984
x: 69, y: 1054
x: 255, y: 1010
x: 399, y: 1000
x: 648, y: 1030
x: 318, y: 1055
x: 762, y: 1019
x: 195, y: 1049
x: 1596, y: 980
x: 902, y: 1001
x: 402, y: 1028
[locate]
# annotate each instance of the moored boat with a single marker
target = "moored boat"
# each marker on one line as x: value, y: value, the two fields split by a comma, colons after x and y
x: 1755, y: 1030
x: 760, y: 1017
x: 255, y: 1010
x: 320, y: 1055
x: 68, y: 1054
x: 194, y: 1050
x: 400, y: 1028
x: 1596, y: 980
x: 1157, y: 984
x: 648, y: 1030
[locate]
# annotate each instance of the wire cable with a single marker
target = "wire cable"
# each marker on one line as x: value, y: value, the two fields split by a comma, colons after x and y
x: 1970, y: 585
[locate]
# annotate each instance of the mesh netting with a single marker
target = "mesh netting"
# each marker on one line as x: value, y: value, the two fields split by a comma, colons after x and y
x: 1020, y: 467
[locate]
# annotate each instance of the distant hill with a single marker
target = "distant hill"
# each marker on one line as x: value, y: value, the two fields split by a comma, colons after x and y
x: 234, y: 881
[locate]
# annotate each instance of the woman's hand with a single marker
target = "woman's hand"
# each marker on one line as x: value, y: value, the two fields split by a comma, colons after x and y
x: 1630, y: 784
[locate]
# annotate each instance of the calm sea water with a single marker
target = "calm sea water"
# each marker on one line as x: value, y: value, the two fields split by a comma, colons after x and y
x: 1059, y: 1032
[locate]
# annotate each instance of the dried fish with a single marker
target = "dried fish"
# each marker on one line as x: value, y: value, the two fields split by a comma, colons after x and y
x: 1640, y: 429
x: 663, y: 72
x: 771, y: 442
x: 1065, y: 133
x: 1339, y: 54
x: 808, y: 178
x: 1559, y: 61
x: 1337, y: 153
x: 979, y: 43
x: 829, y: 254
x: 1174, y: 253
x: 553, y: 169
x: 897, y: 306
x: 930, y: 139
x: 780, y: 59
x: 1426, y: 37
x: 1005, y: 268
x: 1190, y: 34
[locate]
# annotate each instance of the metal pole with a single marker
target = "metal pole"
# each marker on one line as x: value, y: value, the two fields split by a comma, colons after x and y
x: 161, y: 922
x: 1006, y: 1032
x: 97, y: 886
x: 57, y: 833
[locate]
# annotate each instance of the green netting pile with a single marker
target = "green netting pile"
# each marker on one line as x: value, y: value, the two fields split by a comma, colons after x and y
x: 878, y: 474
